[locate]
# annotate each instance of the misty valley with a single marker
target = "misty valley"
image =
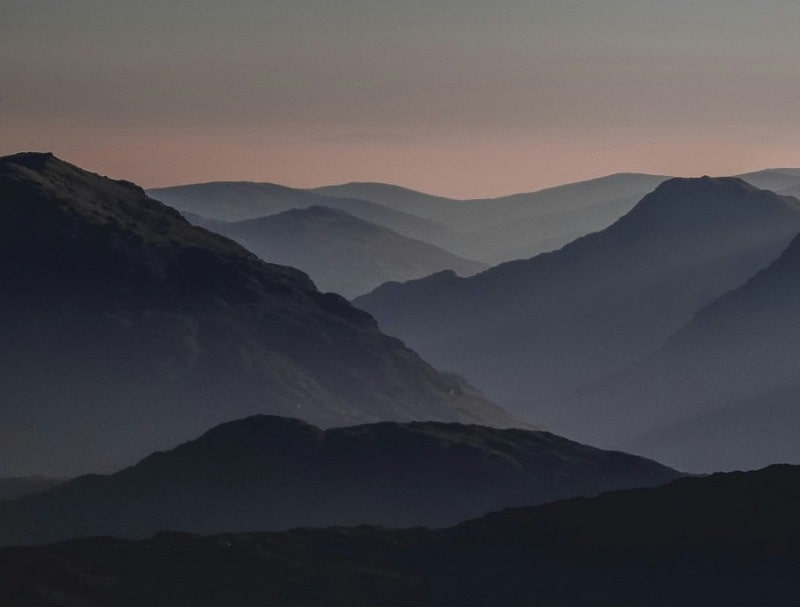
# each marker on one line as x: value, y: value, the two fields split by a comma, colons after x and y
x: 243, y: 393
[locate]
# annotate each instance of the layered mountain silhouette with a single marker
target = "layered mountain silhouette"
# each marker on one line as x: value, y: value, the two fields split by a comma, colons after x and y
x: 530, y: 332
x: 517, y: 226
x: 727, y: 539
x: 340, y: 252
x: 269, y: 473
x: 233, y: 201
x: 723, y: 392
x: 125, y: 329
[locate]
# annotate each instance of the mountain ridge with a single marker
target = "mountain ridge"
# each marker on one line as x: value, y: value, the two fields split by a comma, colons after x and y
x: 120, y: 315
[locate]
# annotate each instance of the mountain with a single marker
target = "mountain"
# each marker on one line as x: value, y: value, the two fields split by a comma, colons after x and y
x: 272, y: 473
x: 727, y: 539
x: 340, y: 252
x: 723, y: 392
x: 511, y: 227
x: 242, y: 200
x: 126, y: 329
x: 20, y: 486
x: 529, y: 332
x: 480, y: 212
x: 777, y: 180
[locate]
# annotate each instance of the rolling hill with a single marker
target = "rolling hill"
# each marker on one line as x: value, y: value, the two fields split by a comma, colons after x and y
x: 271, y: 473
x: 340, y: 252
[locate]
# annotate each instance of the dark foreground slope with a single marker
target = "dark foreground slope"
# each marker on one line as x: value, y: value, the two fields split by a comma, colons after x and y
x: 272, y: 473
x: 724, y: 540
x: 340, y: 252
x: 125, y: 329
x: 722, y: 393
x: 531, y: 331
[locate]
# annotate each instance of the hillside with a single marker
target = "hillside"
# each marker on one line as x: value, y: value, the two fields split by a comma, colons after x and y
x: 530, y: 332
x: 126, y: 330
x: 340, y: 252
x: 722, y: 392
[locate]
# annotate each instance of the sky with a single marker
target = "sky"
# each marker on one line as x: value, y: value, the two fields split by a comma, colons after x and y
x: 464, y: 98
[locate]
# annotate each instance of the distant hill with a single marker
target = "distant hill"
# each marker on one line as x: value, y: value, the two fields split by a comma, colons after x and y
x: 727, y: 539
x: 723, y: 392
x: 341, y: 253
x: 776, y: 180
x: 517, y: 226
x: 126, y: 329
x: 271, y: 473
x: 530, y: 332
x: 242, y: 200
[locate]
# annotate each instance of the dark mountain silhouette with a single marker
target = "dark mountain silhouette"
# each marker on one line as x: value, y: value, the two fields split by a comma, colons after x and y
x: 517, y: 226
x: 242, y: 200
x: 272, y: 473
x: 727, y: 539
x: 19, y: 486
x: 723, y: 392
x: 529, y: 332
x: 340, y: 252
x: 126, y: 329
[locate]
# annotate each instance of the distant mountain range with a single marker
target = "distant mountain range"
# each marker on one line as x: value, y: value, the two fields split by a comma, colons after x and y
x: 126, y: 329
x: 272, y: 473
x: 531, y: 332
x: 489, y: 230
x: 340, y: 252
x: 727, y: 539
x: 241, y: 200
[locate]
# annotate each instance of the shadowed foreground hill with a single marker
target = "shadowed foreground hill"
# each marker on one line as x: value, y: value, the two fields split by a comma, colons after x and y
x: 529, y: 332
x: 340, y: 252
x: 728, y: 539
x: 271, y: 473
x: 125, y: 329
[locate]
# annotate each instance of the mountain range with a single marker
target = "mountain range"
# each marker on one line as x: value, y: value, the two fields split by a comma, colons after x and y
x: 340, y: 252
x: 727, y: 539
x: 531, y: 332
x: 272, y: 473
x: 490, y: 230
x: 125, y: 329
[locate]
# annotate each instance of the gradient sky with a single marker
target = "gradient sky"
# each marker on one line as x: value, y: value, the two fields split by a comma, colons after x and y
x: 460, y: 97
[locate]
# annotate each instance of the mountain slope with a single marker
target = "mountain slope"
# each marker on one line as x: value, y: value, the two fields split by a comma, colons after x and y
x: 341, y: 253
x: 728, y: 539
x: 529, y: 332
x: 271, y: 473
x: 126, y: 329
x: 722, y: 392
